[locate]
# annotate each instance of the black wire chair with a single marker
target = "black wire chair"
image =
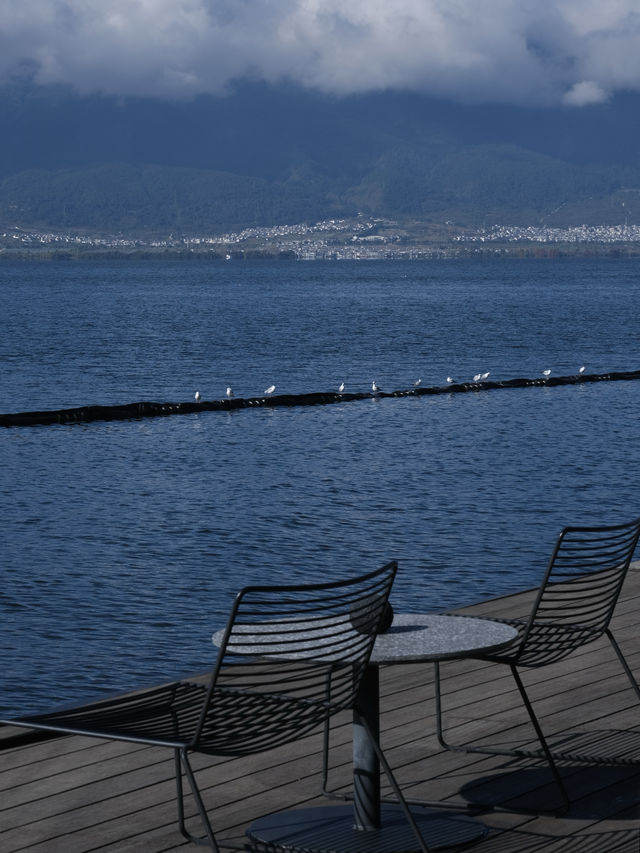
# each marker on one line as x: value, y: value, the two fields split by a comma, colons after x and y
x: 289, y: 658
x: 573, y: 607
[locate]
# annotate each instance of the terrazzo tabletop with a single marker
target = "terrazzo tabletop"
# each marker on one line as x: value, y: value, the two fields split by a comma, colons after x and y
x: 420, y: 637
x: 411, y: 637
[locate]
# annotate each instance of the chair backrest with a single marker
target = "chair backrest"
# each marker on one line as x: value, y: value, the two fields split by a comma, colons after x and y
x: 579, y: 591
x: 290, y: 657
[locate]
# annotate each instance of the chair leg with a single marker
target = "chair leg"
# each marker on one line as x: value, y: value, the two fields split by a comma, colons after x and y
x: 439, y: 715
x: 543, y: 741
x: 324, y: 786
x: 546, y: 751
x: 395, y: 787
x: 584, y: 758
x: 182, y: 764
x: 444, y: 743
x: 325, y: 759
x: 623, y: 662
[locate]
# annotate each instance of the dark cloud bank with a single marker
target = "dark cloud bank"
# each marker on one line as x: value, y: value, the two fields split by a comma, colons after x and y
x: 524, y: 52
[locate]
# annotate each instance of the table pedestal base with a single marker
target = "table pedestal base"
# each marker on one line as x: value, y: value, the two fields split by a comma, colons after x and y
x: 329, y: 829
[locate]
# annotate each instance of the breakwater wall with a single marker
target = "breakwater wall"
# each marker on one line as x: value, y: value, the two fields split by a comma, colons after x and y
x: 148, y: 409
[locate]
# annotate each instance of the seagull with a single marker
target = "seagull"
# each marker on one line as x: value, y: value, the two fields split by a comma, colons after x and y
x: 477, y: 377
x: 449, y: 380
x: 546, y: 372
x: 229, y: 391
x: 417, y: 382
x: 484, y: 376
x: 197, y: 396
x: 581, y: 369
x: 375, y: 388
x: 341, y: 388
x: 270, y: 389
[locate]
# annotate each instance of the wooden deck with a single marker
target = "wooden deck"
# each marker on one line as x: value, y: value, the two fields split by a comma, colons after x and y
x: 75, y: 794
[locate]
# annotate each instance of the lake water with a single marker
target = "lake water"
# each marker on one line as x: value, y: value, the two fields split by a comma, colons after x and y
x: 123, y: 542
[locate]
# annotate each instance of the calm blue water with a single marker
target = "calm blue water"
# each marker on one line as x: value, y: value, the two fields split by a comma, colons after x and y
x: 123, y: 542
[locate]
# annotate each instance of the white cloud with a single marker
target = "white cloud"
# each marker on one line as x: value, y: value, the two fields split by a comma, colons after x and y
x: 584, y: 93
x: 519, y: 51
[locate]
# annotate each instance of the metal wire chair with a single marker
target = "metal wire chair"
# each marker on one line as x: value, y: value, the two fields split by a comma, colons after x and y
x: 573, y: 607
x: 289, y: 658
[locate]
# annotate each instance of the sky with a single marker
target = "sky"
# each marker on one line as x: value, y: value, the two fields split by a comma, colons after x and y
x: 523, y: 52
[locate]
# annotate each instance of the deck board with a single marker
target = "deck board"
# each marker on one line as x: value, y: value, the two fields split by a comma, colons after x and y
x: 80, y: 795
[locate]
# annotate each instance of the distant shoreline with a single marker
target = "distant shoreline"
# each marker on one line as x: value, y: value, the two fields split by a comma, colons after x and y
x: 550, y: 251
x: 353, y: 238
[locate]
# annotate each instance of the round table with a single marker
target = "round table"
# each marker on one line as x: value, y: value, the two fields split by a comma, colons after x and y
x: 369, y: 826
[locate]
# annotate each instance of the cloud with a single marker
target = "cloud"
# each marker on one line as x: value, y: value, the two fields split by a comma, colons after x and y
x: 573, y: 52
x: 584, y: 93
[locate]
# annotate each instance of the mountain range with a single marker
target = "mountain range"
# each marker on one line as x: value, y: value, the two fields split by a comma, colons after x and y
x: 265, y: 155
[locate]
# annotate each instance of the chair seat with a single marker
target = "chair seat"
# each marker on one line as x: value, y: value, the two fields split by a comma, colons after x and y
x: 166, y: 715
x: 238, y: 722
x: 546, y: 642
x: 241, y: 722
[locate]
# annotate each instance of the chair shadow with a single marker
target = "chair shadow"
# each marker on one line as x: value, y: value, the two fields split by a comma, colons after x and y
x: 597, y: 791
x: 621, y: 745
x: 613, y: 841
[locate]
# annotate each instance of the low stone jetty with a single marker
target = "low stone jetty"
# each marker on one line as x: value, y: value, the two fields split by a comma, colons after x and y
x: 148, y: 409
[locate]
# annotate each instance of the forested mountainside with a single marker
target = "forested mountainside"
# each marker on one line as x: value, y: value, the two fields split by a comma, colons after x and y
x: 263, y: 156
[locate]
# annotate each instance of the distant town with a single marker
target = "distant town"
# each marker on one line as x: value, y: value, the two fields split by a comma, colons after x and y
x: 357, y: 238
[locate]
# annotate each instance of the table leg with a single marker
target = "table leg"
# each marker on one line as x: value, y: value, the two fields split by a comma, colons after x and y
x: 366, y: 767
x: 365, y: 826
